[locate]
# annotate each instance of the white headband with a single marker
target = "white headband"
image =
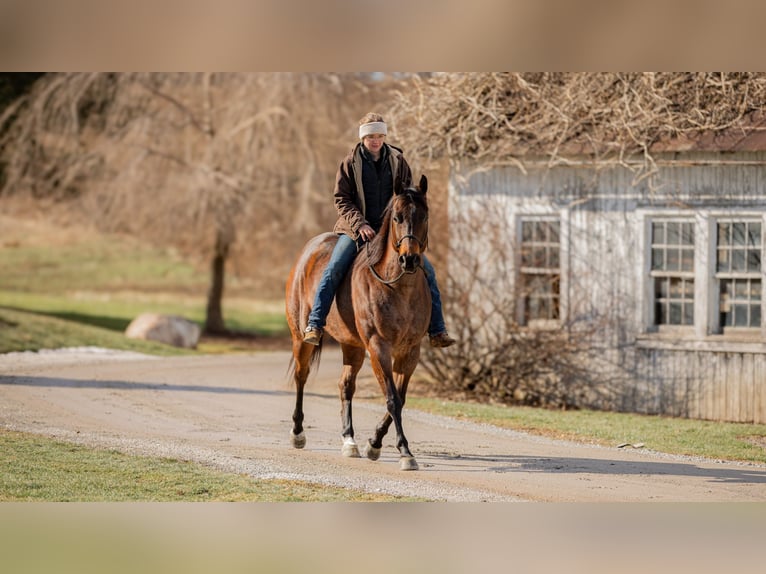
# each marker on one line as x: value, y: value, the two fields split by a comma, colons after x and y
x: 372, y: 128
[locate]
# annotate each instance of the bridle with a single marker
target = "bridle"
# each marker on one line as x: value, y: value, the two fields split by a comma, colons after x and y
x: 397, y: 244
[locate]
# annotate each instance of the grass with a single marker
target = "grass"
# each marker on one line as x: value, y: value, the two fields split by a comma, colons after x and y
x: 81, y: 279
x: 709, y: 439
x: 40, y: 469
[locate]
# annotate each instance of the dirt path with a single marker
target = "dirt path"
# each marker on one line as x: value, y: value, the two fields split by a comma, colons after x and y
x: 233, y: 412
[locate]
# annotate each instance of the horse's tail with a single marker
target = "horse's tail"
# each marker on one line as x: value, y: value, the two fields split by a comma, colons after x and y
x: 314, y: 360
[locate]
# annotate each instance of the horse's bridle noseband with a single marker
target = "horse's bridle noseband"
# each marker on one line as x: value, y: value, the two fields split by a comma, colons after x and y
x: 397, y: 244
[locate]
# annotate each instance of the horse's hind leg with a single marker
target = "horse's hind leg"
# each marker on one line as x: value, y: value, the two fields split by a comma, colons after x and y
x: 302, y: 355
x: 353, y: 358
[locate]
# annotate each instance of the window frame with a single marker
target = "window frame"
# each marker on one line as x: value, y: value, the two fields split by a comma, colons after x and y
x: 707, y: 321
x: 716, y: 326
x: 665, y: 273
x: 525, y: 270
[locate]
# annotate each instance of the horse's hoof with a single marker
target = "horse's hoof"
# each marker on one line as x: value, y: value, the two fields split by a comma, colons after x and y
x: 408, y: 463
x: 371, y: 452
x: 298, y: 440
x: 350, y: 449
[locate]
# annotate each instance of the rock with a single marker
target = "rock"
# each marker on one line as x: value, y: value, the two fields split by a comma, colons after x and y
x: 168, y: 329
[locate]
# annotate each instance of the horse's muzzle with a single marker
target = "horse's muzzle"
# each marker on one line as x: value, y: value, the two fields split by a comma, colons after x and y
x: 410, y: 263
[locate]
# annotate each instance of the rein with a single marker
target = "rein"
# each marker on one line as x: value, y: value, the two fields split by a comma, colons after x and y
x: 389, y: 282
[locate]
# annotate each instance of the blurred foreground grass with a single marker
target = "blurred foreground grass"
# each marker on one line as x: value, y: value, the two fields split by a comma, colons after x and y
x: 41, y: 469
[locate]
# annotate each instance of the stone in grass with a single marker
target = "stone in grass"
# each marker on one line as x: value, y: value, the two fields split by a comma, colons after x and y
x: 168, y: 329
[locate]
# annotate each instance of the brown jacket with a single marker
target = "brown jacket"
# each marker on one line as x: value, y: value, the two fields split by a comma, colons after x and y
x: 349, y: 193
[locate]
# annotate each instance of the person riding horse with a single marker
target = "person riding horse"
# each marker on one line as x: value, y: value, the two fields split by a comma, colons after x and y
x: 364, y: 185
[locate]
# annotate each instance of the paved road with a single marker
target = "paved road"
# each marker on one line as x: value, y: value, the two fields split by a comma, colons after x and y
x: 233, y: 412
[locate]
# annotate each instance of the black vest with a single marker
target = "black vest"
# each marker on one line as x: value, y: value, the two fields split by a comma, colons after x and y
x: 378, y: 183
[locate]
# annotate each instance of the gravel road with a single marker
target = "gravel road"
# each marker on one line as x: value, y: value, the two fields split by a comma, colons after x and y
x: 233, y: 412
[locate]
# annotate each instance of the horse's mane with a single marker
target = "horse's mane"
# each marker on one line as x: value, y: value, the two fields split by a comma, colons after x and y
x: 377, y: 247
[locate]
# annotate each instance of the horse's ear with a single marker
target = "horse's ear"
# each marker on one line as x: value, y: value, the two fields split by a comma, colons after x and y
x: 398, y: 189
x: 423, y: 184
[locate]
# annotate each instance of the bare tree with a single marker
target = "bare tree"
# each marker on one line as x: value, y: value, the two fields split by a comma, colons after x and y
x: 193, y: 160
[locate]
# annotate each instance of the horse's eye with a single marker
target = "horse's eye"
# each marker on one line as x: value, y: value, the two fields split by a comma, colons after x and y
x: 397, y: 218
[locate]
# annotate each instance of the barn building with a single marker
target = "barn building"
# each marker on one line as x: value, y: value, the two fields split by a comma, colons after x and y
x: 671, y: 266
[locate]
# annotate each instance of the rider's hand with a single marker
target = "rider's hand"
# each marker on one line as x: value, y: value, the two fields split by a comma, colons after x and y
x: 366, y: 232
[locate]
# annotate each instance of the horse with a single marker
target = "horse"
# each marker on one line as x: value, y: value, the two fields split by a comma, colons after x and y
x: 382, y: 308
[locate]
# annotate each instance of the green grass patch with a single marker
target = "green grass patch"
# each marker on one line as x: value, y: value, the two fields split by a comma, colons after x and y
x: 709, y: 439
x: 40, y: 469
x: 104, y: 283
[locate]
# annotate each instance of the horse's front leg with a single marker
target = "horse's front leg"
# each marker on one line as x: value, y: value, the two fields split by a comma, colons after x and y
x: 353, y: 358
x: 380, y: 360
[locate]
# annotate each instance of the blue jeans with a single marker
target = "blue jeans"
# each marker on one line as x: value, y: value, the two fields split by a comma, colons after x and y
x: 343, y: 255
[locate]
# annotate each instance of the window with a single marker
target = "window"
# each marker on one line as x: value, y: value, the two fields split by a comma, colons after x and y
x: 738, y: 272
x: 705, y: 275
x: 672, y: 271
x: 540, y: 269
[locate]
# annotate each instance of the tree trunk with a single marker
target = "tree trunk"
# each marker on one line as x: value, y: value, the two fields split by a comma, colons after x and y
x: 214, y: 318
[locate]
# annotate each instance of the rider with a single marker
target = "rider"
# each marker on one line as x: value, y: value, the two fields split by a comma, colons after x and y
x: 364, y: 185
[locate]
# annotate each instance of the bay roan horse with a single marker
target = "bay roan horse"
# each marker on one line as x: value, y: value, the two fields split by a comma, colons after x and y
x: 383, y: 307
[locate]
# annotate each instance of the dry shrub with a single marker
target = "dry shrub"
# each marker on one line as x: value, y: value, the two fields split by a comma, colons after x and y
x: 498, y: 118
x: 497, y: 358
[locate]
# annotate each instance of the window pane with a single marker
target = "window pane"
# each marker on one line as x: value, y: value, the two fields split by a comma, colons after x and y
x: 526, y: 230
x: 754, y: 234
x: 673, y: 233
x: 676, y: 284
x: 553, y: 257
x: 538, y: 257
x: 543, y: 308
x: 753, y: 260
x: 738, y: 260
x: 673, y: 261
x: 533, y: 307
x: 661, y: 288
x: 738, y: 233
x: 755, y: 289
x: 539, y: 231
x: 755, y: 315
x: 675, y: 313
x: 740, y: 316
x: 658, y: 259
x: 687, y: 233
x: 658, y: 232
x: 740, y: 289
x: 724, y: 233
x: 526, y: 257
x: 555, y: 231
x: 661, y: 314
x: 689, y: 289
x: 724, y: 262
